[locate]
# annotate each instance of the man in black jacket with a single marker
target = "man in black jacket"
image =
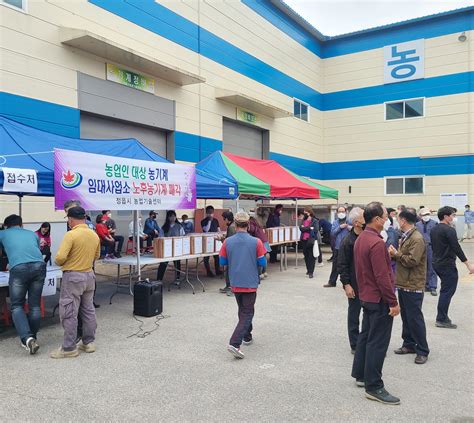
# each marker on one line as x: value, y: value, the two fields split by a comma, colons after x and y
x: 273, y: 221
x: 210, y: 224
x: 347, y: 274
x: 445, y: 249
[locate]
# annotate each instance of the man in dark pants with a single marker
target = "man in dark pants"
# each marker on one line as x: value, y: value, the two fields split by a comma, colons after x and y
x: 112, y: 226
x: 340, y: 228
x: 411, y: 278
x: 210, y: 224
x: 242, y: 254
x: 273, y: 221
x: 376, y: 293
x: 347, y: 272
x: 228, y: 217
x: 445, y: 249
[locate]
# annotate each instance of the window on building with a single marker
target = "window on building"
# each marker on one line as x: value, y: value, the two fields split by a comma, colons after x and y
x: 17, y: 4
x: 301, y: 110
x: 404, y: 185
x: 405, y: 109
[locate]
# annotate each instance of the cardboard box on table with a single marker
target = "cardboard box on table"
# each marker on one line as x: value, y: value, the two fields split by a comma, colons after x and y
x: 288, y: 234
x: 196, y: 244
x: 294, y: 233
x: 272, y: 234
x: 281, y: 235
x: 163, y: 247
x: 209, y: 245
x: 186, y: 246
x: 177, y: 246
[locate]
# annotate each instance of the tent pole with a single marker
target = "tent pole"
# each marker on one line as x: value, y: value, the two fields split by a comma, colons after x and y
x: 20, y: 205
x: 296, y: 224
x: 137, y: 233
x: 237, y: 205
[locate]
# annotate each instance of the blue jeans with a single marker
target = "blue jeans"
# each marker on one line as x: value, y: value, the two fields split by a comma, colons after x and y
x: 27, y: 278
x: 449, y: 283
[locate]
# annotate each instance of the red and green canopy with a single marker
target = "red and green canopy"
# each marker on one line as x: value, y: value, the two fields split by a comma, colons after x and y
x: 262, y: 178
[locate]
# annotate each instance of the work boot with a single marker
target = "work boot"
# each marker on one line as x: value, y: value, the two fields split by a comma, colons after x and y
x: 60, y: 353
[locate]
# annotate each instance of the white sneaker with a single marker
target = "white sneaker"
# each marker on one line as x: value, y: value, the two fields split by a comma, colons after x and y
x: 31, y: 345
x: 235, y: 352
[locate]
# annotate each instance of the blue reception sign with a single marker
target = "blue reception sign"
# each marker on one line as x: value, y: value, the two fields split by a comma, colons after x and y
x: 404, y: 61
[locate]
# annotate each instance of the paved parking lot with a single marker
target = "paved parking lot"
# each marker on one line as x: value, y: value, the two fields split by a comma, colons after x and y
x: 298, y: 368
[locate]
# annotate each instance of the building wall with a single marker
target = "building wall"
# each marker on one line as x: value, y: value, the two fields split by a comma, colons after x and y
x: 236, y: 46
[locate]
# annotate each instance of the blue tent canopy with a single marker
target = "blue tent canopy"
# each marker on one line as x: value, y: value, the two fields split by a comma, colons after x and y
x: 24, y: 147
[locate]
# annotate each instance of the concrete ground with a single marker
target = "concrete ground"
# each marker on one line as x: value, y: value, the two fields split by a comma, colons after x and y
x: 298, y: 369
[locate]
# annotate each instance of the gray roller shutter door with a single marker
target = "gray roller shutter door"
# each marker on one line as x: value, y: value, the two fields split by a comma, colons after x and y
x: 97, y: 127
x: 243, y: 140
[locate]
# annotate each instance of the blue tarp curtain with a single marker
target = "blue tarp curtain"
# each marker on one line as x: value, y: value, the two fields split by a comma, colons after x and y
x: 22, y: 146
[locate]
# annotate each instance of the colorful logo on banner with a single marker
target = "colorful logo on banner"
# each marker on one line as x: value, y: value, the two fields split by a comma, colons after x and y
x: 104, y: 182
x: 71, y: 180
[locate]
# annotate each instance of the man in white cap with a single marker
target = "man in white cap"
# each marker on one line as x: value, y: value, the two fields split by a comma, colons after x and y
x: 424, y: 226
x: 242, y: 254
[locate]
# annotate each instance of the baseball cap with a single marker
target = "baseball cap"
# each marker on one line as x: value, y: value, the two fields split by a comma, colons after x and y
x: 76, y: 213
x: 242, y: 217
x: 424, y: 211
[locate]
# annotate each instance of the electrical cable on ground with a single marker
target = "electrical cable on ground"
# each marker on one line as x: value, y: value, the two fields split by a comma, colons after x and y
x: 140, y: 333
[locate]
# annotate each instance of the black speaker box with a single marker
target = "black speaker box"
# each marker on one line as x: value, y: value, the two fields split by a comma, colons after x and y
x: 148, y: 298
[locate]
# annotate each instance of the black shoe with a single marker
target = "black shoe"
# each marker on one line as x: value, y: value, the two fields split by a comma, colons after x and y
x: 96, y: 305
x: 421, y: 359
x: 360, y: 383
x: 224, y: 290
x: 307, y: 273
x: 381, y: 395
x: 329, y: 285
x: 434, y: 293
x: 427, y: 290
x: 310, y: 275
x: 218, y: 273
x: 118, y: 255
x: 353, y: 351
x: 210, y: 274
x: 446, y: 325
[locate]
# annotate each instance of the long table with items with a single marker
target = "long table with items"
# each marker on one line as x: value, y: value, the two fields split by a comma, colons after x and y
x: 193, y: 247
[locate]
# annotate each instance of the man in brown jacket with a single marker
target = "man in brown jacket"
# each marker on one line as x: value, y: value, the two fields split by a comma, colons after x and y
x: 410, y: 281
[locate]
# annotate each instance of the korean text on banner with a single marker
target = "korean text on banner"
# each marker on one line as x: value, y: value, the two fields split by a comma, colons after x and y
x: 19, y: 180
x: 115, y: 183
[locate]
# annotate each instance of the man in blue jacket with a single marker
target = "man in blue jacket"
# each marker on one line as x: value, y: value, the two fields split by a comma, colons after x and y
x: 242, y: 254
x: 340, y: 228
x: 152, y: 229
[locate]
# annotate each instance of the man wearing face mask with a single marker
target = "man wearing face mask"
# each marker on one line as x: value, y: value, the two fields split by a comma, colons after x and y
x: 152, y: 229
x: 112, y: 226
x: 410, y: 281
x: 379, y: 303
x: 340, y: 228
x: 211, y: 224
x: 425, y: 226
x: 347, y: 272
x: 445, y: 249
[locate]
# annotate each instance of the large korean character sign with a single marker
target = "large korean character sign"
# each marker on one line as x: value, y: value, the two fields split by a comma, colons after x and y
x: 404, y: 61
x: 115, y: 183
